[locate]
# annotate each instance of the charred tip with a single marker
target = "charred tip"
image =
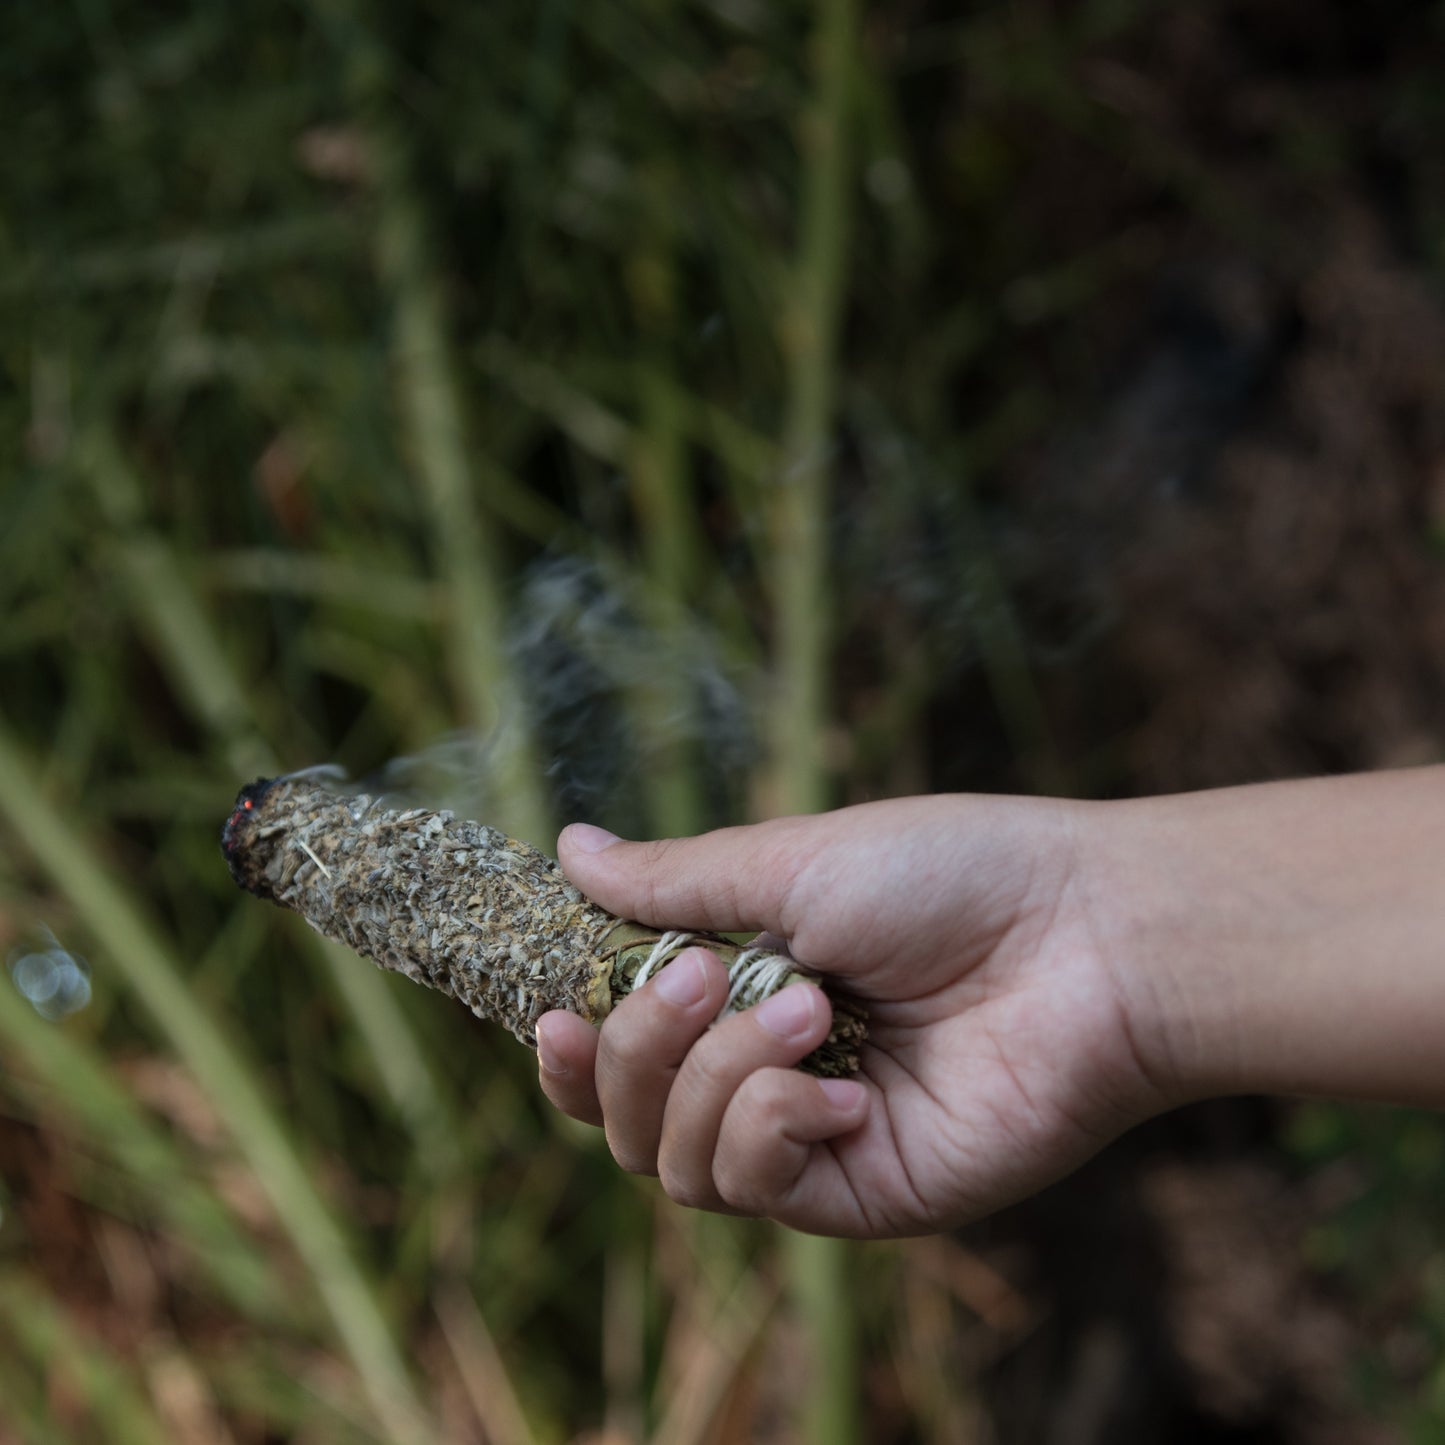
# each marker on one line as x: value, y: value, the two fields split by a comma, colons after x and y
x: 239, y: 830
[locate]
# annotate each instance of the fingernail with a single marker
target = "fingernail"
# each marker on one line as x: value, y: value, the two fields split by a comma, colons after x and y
x: 845, y: 1095
x: 682, y: 981
x: 788, y: 1013
x: 547, y: 1056
x: 587, y: 838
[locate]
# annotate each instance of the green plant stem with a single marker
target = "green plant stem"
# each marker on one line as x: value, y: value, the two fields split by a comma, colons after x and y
x: 165, y: 605
x: 170, y: 613
x: 589, y: 425
x: 41, y: 1329
x: 428, y: 372
x: 466, y: 551
x: 811, y: 320
x: 667, y: 528
x: 799, y: 565
x: 274, y: 570
x: 139, y: 952
x: 23, y: 1406
x: 74, y: 1080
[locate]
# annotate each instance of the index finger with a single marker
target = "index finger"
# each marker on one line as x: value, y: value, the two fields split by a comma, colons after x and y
x: 642, y: 1046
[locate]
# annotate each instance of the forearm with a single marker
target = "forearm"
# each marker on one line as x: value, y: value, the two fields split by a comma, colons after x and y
x: 1288, y: 938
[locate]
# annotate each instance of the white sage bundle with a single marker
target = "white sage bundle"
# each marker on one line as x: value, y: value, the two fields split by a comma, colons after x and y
x: 482, y: 917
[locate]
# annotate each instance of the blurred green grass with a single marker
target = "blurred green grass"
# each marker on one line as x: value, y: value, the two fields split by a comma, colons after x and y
x: 543, y: 374
x: 303, y: 396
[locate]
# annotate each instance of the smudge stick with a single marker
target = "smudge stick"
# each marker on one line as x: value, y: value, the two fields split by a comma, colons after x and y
x: 484, y: 918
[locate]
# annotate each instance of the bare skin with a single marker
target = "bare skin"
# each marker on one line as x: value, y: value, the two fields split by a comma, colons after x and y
x: 1041, y: 976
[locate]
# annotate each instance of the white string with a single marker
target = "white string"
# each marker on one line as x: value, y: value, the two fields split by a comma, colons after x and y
x: 306, y: 848
x: 665, y: 948
x: 755, y: 971
x: 760, y: 966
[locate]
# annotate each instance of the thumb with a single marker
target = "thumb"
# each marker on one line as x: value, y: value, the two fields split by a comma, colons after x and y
x: 731, y: 880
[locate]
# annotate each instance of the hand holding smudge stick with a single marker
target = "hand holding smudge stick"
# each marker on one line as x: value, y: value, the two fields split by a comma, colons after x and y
x: 467, y: 910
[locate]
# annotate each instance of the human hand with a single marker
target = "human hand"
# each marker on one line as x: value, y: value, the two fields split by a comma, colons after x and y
x: 1000, y: 1052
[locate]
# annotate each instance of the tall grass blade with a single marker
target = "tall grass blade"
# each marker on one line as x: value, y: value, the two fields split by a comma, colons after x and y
x: 41, y: 1331
x: 139, y: 952
x: 69, y: 1075
x: 428, y: 375
x: 171, y: 614
x: 799, y: 542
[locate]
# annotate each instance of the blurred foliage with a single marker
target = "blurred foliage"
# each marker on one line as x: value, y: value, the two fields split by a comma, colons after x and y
x: 374, y: 375
x: 1382, y: 1241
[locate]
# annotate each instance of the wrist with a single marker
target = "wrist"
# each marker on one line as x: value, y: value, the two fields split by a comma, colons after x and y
x: 1284, y: 938
x: 1165, y: 906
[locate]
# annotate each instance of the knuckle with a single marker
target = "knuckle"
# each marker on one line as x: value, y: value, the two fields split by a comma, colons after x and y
x: 645, y: 1035
x: 576, y: 1103
x: 741, y: 1193
x: 627, y: 1050
x: 658, y: 867
x: 655, y: 852
x: 710, y: 1071
x: 687, y: 1190
x: 631, y: 1158
x: 744, y: 1187
x: 785, y: 858
x: 560, y: 1097
x: 763, y: 1101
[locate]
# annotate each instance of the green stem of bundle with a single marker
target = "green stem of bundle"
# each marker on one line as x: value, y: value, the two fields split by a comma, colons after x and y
x: 799, y: 545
